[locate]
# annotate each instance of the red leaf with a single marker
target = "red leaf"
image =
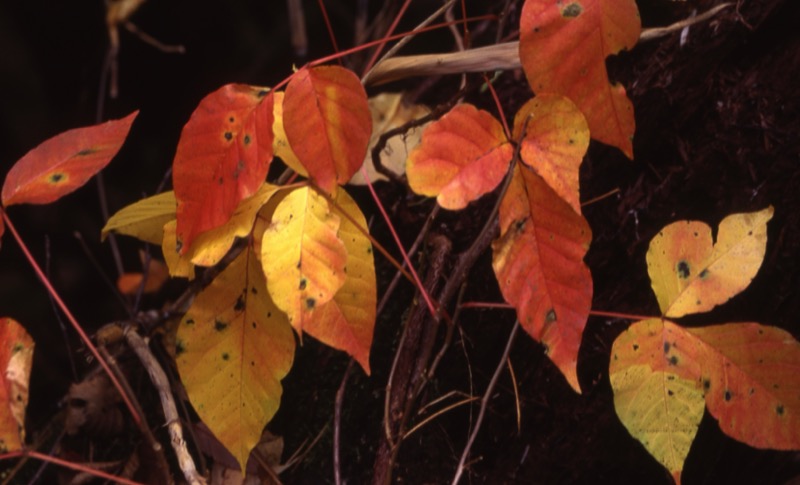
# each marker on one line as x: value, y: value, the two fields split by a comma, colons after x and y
x: 538, y: 261
x: 64, y: 163
x: 327, y: 123
x: 463, y: 155
x: 16, y: 360
x: 563, y: 47
x: 222, y: 158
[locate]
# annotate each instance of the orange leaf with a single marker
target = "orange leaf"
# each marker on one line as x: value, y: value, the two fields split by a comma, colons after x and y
x: 64, y: 163
x: 556, y: 139
x: 563, y: 48
x: 463, y: 155
x: 691, y: 274
x: 234, y: 347
x: 157, y: 275
x: 747, y: 371
x: 538, y: 261
x: 16, y: 359
x: 327, y: 123
x: 348, y: 321
x: 222, y: 158
x: 302, y: 255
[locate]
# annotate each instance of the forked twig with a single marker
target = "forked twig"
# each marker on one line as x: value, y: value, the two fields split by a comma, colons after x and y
x: 484, y: 403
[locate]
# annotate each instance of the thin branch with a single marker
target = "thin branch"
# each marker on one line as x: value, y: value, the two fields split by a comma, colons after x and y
x: 159, y: 379
x: 503, y: 57
x: 337, y: 424
x: 485, y: 402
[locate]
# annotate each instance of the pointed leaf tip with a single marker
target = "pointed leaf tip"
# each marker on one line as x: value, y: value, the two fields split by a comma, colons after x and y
x: 64, y: 163
x: 538, y: 261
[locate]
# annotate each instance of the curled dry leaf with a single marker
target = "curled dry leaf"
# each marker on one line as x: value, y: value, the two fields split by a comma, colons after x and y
x: 16, y: 359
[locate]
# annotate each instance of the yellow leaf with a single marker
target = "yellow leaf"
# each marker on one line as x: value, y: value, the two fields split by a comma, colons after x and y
x: 16, y: 359
x: 690, y: 274
x: 144, y: 219
x: 211, y: 246
x: 389, y: 112
x: 661, y: 410
x: 302, y: 255
x: 179, y: 265
x: 280, y: 144
x: 234, y: 347
x: 347, y: 322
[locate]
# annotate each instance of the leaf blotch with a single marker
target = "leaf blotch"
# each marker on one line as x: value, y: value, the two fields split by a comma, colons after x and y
x: 728, y: 395
x: 239, y: 305
x: 56, y: 177
x: 189, y: 321
x: 779, y: 409
x: 310, y: 303
x: 228, y: 135
x: 550, y: 317
x: 219, y: 325
x: 706, y: 384
x: 666, y: 347
x: 246, y: 140
x: 703, y: 274
x: 673, y: 360
x: 635, y: 347
x: 572, y: 10
x: 670, y: 393
x: 303, y: 284
x: 226, y: 356
x: 683, y: 270
x: 180, y: 347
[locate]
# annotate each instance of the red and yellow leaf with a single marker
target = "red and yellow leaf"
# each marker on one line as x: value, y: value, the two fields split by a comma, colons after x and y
x: 538, y: 261
x: 327, y: 123
x: 180, y: 265
x: 234, y: 347
x: 692, y: 274
x: 563, y: 48
x: 280, y: 144
x: 463, y: 155
x: 302, y: 255
x: 64, y: 163
x: 749, y: 374
x: 222, y: 158
x: 556, y: 139
x: 746, y: 372
x: 347, y: 322
x: 16, y: 359
x: 661, y: 410
x: 143, y: 219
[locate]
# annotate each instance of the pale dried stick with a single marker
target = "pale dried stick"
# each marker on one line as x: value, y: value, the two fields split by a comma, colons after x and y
x: 497, y: 57
x: 161, y: 383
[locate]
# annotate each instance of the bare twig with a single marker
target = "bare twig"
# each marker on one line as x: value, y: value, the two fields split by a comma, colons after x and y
x: 159, y: 379
x: 490, y: 58
x: 484, y: 403
x: 337, y: 424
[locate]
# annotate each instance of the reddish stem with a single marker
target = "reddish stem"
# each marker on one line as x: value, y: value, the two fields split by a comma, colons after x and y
x: 328, y: 25
x: 385, y: 38
x: 417, y: 280
x: 499, y: 106
x: 70, y: 465
x: 71, y: 318
x: 625, y: 316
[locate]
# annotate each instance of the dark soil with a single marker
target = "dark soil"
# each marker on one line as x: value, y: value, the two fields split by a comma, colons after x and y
x: 717, y: 118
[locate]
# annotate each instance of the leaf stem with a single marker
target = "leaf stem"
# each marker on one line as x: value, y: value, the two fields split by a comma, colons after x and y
x: 70, y: 465
x: 137, y: 419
